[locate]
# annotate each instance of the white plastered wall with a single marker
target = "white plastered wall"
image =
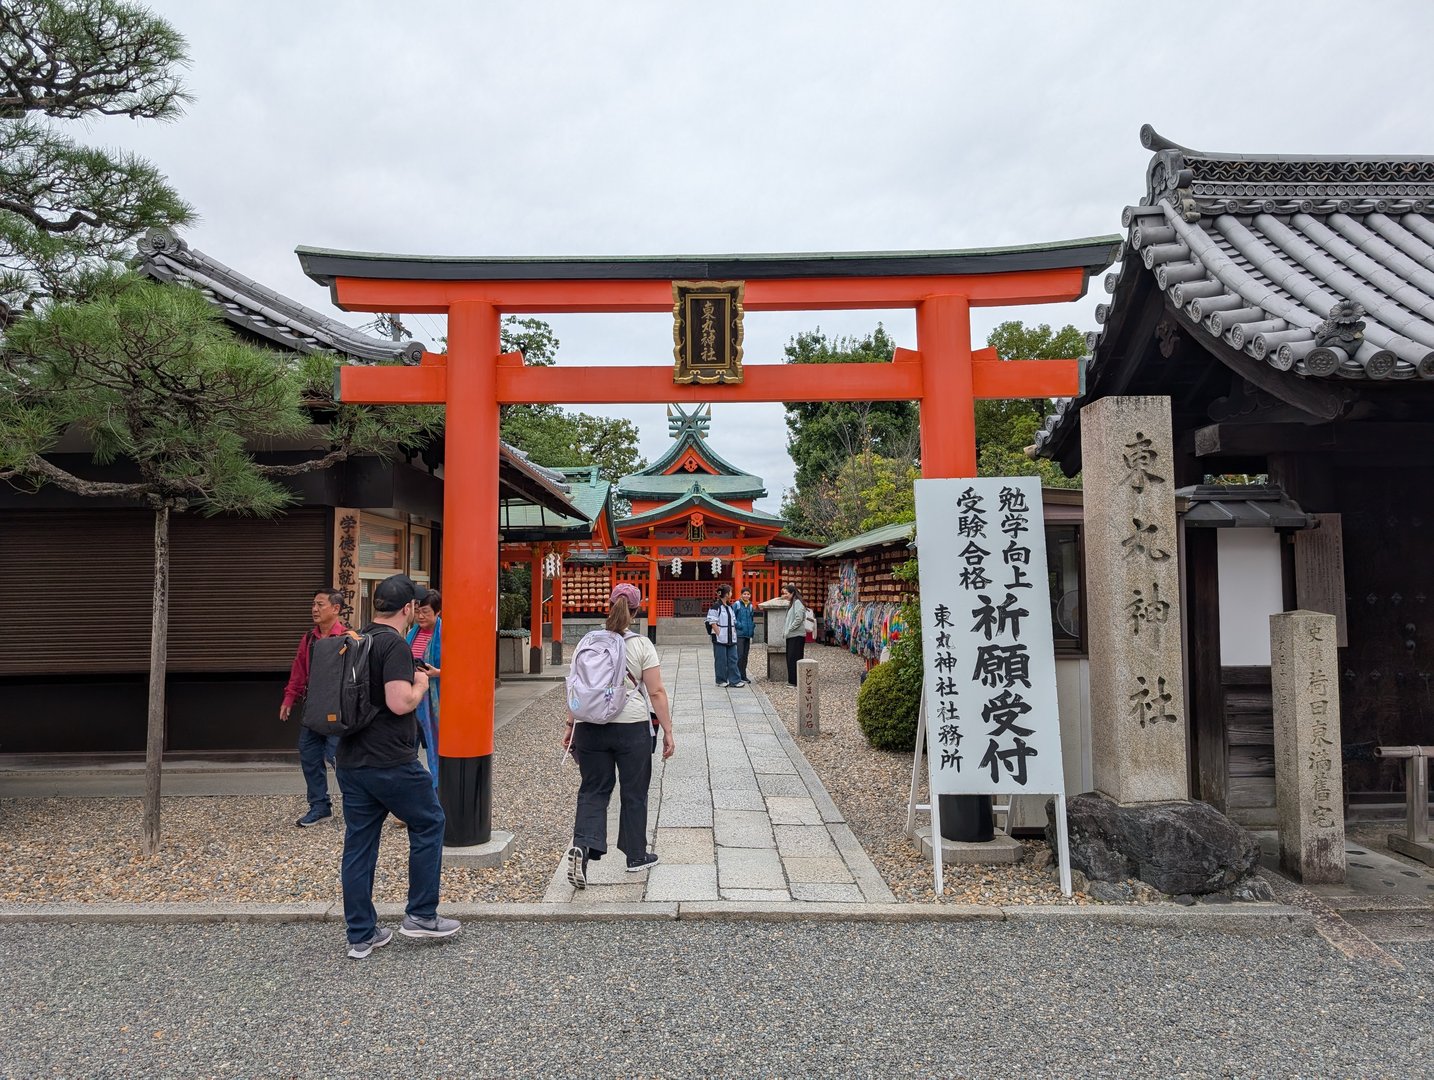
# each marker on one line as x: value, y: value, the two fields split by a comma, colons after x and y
x: 1251, y: 590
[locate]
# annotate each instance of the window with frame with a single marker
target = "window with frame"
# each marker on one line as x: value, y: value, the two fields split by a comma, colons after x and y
x: 387, y: 546
x: 1065, y: 562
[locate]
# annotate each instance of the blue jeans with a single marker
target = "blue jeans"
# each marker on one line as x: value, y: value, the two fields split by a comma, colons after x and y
x: 370, y: 795
x: 724, y: 658
x: 605, y: 753
x: 314, y: 750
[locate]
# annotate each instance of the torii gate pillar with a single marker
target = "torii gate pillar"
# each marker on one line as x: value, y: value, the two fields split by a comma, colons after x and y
x: 470, y: 573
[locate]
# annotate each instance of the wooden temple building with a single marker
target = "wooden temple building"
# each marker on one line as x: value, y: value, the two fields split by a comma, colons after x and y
x: 78, y: 571
x: 1285, y: 306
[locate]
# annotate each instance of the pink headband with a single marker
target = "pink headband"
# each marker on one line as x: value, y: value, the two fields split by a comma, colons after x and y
x: 628, y: 592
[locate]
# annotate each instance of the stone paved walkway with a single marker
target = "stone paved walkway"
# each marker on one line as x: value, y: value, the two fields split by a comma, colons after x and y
x: 736, y: 814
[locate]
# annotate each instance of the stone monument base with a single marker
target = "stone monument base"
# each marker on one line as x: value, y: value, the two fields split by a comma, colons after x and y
x: 495, y: 852
x: 1178, y: 847
x: 1001, y: 850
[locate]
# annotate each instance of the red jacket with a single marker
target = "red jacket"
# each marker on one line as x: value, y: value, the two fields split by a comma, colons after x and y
x: 299, y: 673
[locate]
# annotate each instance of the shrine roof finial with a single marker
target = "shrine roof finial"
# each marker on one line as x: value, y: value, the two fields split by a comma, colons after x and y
x: 697, y: 422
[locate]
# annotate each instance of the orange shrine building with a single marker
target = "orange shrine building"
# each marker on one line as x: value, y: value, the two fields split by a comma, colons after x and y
x: 689, y: 525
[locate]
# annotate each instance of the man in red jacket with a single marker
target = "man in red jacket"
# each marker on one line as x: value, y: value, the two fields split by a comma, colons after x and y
x: 314, y: 749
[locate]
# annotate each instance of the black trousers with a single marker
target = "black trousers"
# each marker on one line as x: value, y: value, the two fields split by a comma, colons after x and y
x: 607, y: 753
x: 744, y: 649
x: 796, y: 648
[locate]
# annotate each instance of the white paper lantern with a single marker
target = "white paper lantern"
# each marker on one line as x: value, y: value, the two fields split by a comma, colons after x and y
x: 677, y: 566
x: 716, y: 566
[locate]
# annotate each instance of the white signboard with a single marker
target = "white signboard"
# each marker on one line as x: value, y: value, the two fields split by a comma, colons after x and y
x: 992, y: 725
x: 989, y: 723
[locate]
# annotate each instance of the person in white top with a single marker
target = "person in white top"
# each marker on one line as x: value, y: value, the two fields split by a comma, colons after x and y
x: 620, y: 750
x: 722, y: 626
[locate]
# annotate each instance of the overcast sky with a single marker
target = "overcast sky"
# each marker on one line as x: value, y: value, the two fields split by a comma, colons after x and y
x: 646, y: 128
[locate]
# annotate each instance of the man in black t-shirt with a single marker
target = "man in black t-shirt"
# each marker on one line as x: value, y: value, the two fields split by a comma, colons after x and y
x: 379, y: 774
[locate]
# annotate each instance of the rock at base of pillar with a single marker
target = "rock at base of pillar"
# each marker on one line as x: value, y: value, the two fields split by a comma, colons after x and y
x: 497, y: 851
x: 1178, y: 847
x: 1001, y: 850
x: 465, y: 788
x: 535, y: 660
x: 557, y: 652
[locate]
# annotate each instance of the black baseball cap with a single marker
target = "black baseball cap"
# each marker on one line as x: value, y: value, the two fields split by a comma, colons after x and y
x: 392, y: 593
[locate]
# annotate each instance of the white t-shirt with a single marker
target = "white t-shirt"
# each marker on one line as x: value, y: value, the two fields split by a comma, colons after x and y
x: 641, y: 655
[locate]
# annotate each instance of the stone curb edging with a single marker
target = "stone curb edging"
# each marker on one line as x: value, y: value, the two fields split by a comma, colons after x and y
x: 1252, y: 919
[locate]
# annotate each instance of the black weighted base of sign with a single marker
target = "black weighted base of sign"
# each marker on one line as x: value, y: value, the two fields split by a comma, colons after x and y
x: 967, y: 818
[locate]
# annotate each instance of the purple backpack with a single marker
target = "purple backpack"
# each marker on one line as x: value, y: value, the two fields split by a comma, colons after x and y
x: 598, y: 678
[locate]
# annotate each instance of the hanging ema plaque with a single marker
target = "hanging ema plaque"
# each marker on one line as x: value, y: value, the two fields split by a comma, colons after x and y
x: 707, y: 331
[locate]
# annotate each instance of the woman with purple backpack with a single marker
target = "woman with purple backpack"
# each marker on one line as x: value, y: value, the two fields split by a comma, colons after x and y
x: 613, y: 743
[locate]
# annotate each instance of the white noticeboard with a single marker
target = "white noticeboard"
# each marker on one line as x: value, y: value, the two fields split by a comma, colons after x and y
x: 992, y: 724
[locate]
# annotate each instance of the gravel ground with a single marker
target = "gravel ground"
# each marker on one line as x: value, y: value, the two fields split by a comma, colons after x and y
x: 871, y: 789
x: 702, y: 999
x: 246, y: 849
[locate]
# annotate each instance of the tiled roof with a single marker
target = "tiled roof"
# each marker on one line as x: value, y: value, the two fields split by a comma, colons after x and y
x: 261, y: 310
x: 901, y: 533
x: 586, y: 488
x: 696, y: 498
x: 1319, y: 268
x: 640, y: 480
x: 1246, y: 506
x: 531, y: 496
x: 668, y: 487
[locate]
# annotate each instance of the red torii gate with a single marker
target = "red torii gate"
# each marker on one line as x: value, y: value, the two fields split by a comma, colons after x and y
x: 473, y: 379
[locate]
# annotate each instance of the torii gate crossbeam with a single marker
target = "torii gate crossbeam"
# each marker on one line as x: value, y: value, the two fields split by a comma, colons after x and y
x: 473, y: 379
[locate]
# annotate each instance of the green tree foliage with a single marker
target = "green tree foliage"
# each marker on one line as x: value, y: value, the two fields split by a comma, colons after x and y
x: 531, y: 337
x: 867, y: 492
x: 555, y: 437
x: 148, y: 373
x: 823, y: 436
x: 68, y: 211
x: 1005, y: 428
x: 855, y: 461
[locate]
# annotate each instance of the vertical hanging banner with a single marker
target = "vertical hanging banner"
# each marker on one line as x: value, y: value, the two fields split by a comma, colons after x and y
x: 992, y: 721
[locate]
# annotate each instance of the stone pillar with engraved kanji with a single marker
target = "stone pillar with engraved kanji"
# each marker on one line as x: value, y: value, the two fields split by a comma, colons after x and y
x: 1137, y: 695
x: 1309, y: 784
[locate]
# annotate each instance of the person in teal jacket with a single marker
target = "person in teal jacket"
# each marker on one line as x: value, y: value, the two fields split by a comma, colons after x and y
x: 746, y: 627
x: 425, y: 638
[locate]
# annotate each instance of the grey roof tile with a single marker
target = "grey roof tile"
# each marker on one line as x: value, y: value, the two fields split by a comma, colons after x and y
x: 259, y: 309
x: 1275, y: 255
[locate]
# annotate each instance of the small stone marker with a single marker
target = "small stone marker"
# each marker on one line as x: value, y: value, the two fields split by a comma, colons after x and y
x: 1309, y: 783
x: 1137, y: 690
x: 808, y: 699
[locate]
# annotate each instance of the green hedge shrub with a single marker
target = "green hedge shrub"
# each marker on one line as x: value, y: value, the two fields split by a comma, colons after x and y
x: 890, y: 698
